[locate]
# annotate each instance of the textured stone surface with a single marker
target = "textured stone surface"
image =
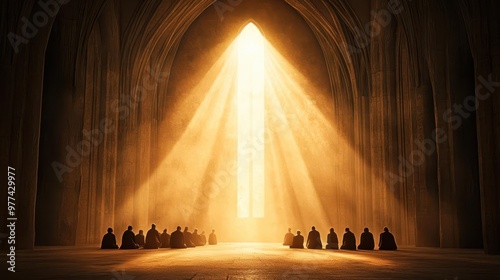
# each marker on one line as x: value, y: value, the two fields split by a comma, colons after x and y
x: 389, y: 92
x: 253, y: 261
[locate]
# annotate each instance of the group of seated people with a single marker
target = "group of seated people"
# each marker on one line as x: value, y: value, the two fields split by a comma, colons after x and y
x: 154, y: 240
x: 386, y: 241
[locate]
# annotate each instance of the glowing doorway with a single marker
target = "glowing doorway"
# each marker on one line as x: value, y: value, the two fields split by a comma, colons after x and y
x: 250, y: 102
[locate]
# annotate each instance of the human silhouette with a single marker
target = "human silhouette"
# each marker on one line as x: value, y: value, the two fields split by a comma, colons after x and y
x: 367, y: 241
x: 387, y: 241
x: 128, y: 239
x: 287, y: 241
x: 212, y: 238
x: 297, y: 241
x: 203, y: 238
x: 314, y: 239
x: 188, y: 238
x: 139, y: 238
x: 332, y: 241
x: 348, y: 241
x: 109, y: 240
x: 165, y: 239
x: 196, y: 238
x: 177, y: 239
x: 152, y: 238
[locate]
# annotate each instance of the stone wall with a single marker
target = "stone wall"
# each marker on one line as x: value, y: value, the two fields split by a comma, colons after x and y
x: 96, y: 60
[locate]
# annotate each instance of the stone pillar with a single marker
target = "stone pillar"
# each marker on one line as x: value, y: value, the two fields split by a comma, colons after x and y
x: 383, y: 121
x: 425, y: 181
x: 485, y: 46
x: 449, y: 62
x: 22, y: 71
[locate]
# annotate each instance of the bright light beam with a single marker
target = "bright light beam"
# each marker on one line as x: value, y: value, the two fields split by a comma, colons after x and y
x: 214, y: 141
x: 250, y: 99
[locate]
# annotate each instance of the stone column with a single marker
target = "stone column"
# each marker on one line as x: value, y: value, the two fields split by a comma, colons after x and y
x: 383, y: 119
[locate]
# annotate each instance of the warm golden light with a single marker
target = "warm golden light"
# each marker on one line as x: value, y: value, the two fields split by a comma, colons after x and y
x: 250, y: 102
x: 252, y: 149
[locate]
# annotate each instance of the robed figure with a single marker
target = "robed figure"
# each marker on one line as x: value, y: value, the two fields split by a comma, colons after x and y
x: 367, y: 241
x: 203, y: 238
x: 332, y: 241
x: 152, y: 238
x: 297, y: 241
x: 139, y: 238
x: 188, y: 238
x: 212, y: 238
x: 387, y: 241
x: 128, y: 239
x: 349, y: 240
x: 165, y: 239
x: 287, y: 241
x: 196, y: 238
x: 314, y: 239
x: 177, y: 239
x: 109, y: 240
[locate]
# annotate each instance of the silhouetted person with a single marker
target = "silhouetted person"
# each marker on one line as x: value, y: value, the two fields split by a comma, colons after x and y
x: 287, y: 241
x: 152, y: 238
x: 165, y: 239
x: 298, y: 241
x: 387, y: 241
x: 212, y: 238
x: 203, y: 238
x: 177, y: 239
x: 139, y: 238
x: 314, y: 239
x: 367, y: 241
x: 188, y: 238
x: 332, y: 241
x: 109, y: 240
x: 196, y: 238
x: 348, y: 241
x: 128, y: 239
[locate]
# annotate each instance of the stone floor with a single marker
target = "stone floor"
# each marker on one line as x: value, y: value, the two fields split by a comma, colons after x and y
x: 251, y: 261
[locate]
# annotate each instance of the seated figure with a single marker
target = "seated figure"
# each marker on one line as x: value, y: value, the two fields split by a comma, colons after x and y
x: 314, y: 239
x: 287, y: 241
x: 203, y: 238
x: 196, y: 238
x: 128, y: 239
x: 165, y: 239
x: 212, y: 238
x: 367, y: 241
x: 332, y: 241
x: 349, y: 240
x: 109, y: 240
x: 387, y: 241
x: 139, y: 238
x: 152, y: 238
x: 177, y: 239
x: 298, y: 241
x: 188, y: 238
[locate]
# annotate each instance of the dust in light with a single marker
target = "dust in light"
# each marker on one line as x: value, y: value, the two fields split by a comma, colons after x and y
x: 255, y: 155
